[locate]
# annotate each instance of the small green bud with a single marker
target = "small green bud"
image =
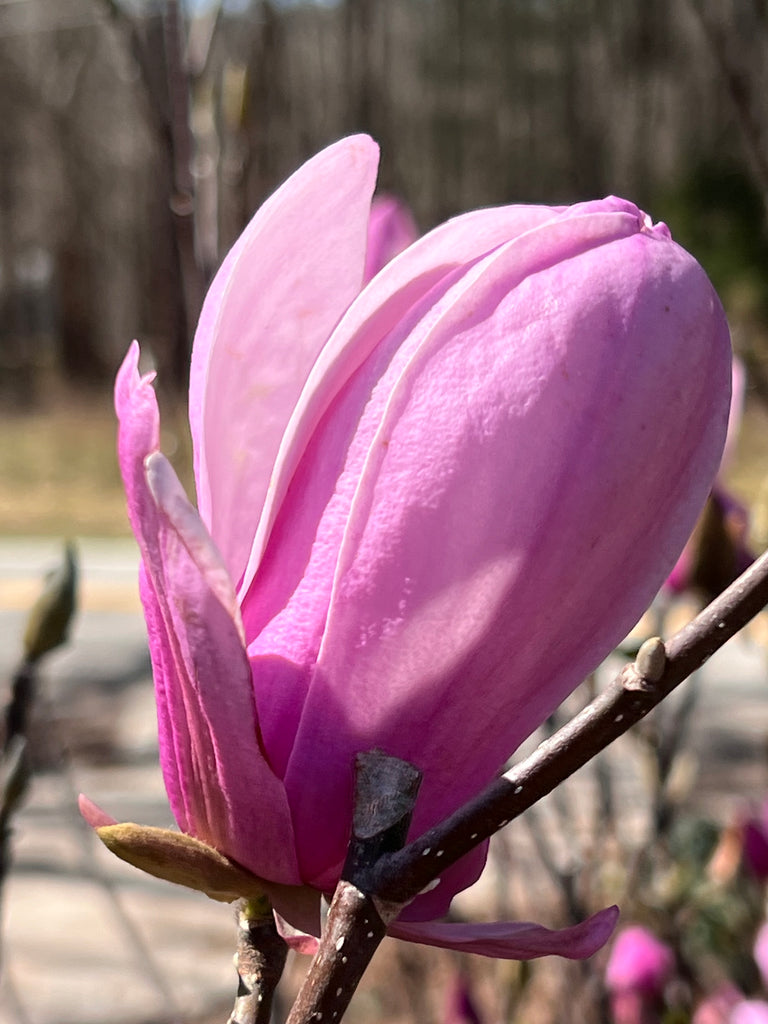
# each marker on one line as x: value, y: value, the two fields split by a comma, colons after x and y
x: 176, y: 857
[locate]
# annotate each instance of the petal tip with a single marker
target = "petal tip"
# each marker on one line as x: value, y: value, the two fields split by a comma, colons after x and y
x: 93, y: 814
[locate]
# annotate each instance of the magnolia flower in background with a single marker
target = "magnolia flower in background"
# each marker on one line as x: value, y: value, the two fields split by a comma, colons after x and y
x: 760, y: 953
x: 391, y: 228
x: 718, y: 1007
x: 749, y: 1011
x: 755, y: 844
x: 638, y: 969
x: 426, y: 510
x: 460, y: 1007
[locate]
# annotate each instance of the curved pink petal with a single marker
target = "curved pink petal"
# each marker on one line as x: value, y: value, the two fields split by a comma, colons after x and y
x: 299, y: 941
x: 438, y: 645
x: 391, y: 229
x: 92, y: 813
x: 219, y: 784
x: 271, y: 307
x: 514, y: 940
x: 398, y: 288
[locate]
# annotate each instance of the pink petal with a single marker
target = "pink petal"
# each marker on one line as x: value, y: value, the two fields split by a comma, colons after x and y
x: 514, y: 940
x: 379, y: 308
x: 452, y: 496
x: 639, y: 962
x: 299, y: 941
x: 92, y: 813
x: 750, y: 1011
x: 219, y: 784
x: 391, y: 229
x: 738, y: 388
x: 270, y: 309
x: 290, y: 596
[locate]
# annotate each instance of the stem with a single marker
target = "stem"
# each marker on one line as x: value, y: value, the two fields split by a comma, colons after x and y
x: 260, y: 960
x: 351, y: 936
x: 385, y: 794
x: 638, y: 688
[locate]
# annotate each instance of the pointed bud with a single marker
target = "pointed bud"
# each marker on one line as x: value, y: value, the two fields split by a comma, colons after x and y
x: 182, y: 859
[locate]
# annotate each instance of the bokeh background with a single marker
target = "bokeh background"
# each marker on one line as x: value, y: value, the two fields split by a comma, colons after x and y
x: 136, y: 140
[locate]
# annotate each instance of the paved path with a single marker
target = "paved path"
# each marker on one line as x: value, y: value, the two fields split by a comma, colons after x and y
x: 87, y: 939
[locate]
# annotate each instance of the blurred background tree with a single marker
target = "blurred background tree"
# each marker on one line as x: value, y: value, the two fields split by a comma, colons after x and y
x: 138, y: 137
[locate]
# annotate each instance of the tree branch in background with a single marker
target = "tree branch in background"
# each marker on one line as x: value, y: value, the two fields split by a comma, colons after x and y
x: 740, y: 89
x: 47, y: 628
x: 159, y: 54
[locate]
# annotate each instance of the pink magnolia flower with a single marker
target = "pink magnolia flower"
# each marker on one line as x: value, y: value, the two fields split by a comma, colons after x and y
x: 426, y: 510
x: 755, y: 844
x: 718, y: 1007
x: 750, y: 1011
x: 760, y: 952
x: 638, y: 969
x: 391, y: 229
x: 638, y: 962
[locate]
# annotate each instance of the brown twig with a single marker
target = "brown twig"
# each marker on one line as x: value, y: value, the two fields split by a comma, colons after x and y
x: 658, y: 669
x: 260, y: 960
x: 385, y: 795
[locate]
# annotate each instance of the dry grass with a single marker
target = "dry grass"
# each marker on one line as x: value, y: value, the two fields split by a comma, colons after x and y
x: 59, y: 473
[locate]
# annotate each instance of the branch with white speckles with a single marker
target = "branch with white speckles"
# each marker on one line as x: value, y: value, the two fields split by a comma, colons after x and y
x: 385, y: 794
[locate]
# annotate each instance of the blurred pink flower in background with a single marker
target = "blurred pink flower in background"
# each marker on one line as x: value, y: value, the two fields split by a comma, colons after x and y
x: 637, y: 971
x: 460, y: 1006
x: 760, y: 952
x: 391, y: 228
x: 755, y: 844
x: 718, y: 1007
x: 750, y: 1011
x: 427, y: 509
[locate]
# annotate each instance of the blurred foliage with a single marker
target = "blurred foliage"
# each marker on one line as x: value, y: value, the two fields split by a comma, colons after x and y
x: 718, y: 214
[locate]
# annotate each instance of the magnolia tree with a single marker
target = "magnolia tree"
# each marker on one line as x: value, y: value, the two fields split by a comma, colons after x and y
x: 431, y: 498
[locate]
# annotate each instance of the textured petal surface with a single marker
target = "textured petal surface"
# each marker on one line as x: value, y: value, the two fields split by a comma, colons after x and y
x: 401, y: 285
x: 514, y: 940
x: 480, y: 461
x: 271, y: 307
x: 219, y: 784
x: 292, y: 592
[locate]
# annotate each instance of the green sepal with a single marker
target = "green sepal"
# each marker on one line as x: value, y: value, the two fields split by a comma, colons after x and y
x: 176, y: 857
